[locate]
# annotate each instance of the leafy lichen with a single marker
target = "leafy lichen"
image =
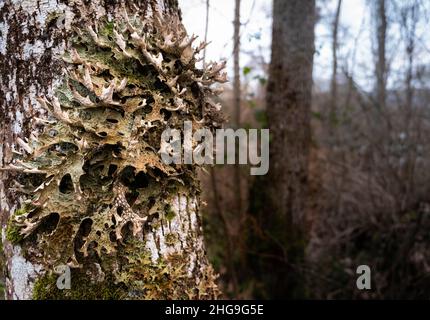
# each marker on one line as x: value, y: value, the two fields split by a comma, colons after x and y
x: 165, y: 278
x: 102, y: 180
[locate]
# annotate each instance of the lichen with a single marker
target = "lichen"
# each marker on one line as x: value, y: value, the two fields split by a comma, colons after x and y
x: 163, y: 279
x: 139, y: 278
x: 93, y: 175
x: 171, y: 239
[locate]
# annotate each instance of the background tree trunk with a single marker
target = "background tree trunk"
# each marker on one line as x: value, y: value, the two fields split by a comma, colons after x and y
x: 333, y: 112
x: 381, y: 62
x: 237, y: 100
x: 34, y: 36
x: 280, y: 198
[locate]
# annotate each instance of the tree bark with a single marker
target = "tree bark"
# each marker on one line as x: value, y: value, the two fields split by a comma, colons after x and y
x: 84, y: 97
x: 280, y: 198
x: 289, y: 100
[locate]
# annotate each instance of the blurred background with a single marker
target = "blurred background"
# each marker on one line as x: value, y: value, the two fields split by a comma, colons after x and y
x: 368, y: 164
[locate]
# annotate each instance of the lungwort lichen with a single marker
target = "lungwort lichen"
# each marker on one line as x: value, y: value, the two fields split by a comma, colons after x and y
x: 91, y: 175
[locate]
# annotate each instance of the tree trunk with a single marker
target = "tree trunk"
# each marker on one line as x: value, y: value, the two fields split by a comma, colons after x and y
x: 280, y: 198
x: 381, y: 62
x: 333, y: 87
x: 87, y: 87
x: 237, y: 100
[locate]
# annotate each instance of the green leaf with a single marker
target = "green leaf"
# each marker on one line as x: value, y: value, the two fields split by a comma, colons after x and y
x: 263, y: 81
x: 246, y: 71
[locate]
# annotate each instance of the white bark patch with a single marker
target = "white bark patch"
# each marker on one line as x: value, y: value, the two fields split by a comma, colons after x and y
x: 164, y: 249
x: 35, y: 49
x: 32, y: 92
x: 4, y: 29
x: 4, y: 206
x: 152, y: 247
x: 11, y: 94
x: 22, y: 275
x: 43, y: 9
x: 26, y: 5
x: 17, y: 125
x: 182, y: 225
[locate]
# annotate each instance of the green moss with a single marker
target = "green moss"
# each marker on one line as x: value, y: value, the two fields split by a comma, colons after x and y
x: 82, y: 288
x: 107, y: 30
x: 43, y: 287
x: 170, y: 214
x: 21, y: 211
x: 13, y: 234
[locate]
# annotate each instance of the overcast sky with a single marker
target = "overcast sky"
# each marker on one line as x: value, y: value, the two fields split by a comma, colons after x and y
x: 355, y: 48
x: 256, y: 31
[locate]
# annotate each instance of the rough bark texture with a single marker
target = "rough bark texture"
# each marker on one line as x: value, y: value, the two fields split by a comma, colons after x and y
x: 280, y: 198
x: 289, y: 96
x: 86, y: 89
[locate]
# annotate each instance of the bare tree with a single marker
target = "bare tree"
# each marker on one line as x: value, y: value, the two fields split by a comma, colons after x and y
x: 237, y: 98
x: 87, y: 93
x: 378, y: 174
x: 335, y: 45
x: 281, y: 204
x: 409, y: 17
x: 381, y: 58
x: 206, y: 29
